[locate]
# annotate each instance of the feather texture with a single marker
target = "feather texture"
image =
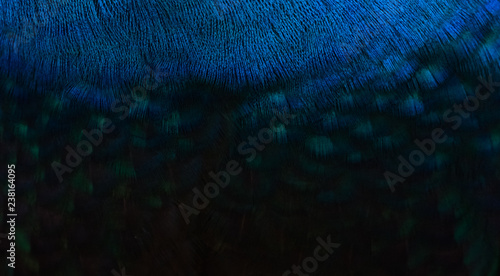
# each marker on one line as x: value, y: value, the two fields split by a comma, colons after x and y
x: 167, y: 94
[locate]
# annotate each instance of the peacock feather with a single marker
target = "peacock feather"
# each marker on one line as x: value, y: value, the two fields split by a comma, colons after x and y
x: 217, y: 137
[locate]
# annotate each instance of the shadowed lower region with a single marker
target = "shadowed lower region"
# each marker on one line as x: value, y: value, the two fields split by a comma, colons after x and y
x: 207, y: 137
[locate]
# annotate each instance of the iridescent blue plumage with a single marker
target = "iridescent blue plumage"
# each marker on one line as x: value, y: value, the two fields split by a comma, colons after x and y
x: 363, y: 80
